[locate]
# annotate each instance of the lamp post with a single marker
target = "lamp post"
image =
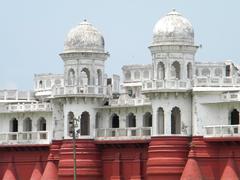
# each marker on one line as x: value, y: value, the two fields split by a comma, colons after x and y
x: 73, y: 122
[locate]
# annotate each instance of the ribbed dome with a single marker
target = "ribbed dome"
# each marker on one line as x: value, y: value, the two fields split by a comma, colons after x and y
x: 173, y: 29
x: 84, y: 38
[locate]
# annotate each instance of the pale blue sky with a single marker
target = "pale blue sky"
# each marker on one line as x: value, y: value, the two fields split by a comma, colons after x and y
x: 32, y: 32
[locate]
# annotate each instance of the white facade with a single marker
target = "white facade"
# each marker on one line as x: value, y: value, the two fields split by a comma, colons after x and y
x: 172, y: 95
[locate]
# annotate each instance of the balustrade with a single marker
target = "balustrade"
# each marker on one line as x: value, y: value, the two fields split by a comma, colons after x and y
x: 222, y: 130
x: 29, y: 137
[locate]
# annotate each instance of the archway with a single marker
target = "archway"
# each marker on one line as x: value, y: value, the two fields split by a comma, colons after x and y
x: 114, y: 121
x: 160, y: 71
x: 189, y: 71
x: 85, y: 124
x: 175, y: 70
x: 147, y: 119
x: 234, y: 117
x: 176, y: 121
x: 99, y: 77
x: 13, y: 126
x: 42, y: 124
x: 71, y: 77
x: 160, y: 118
x: 27, y: 124
x: 85, y: 76
x: 131, y: 120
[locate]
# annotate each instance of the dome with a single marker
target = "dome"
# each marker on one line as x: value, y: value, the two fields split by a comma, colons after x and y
x: 173, y: 29
x: 84, y: 38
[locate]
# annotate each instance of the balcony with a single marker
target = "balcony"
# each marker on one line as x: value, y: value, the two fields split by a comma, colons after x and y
x: 30, y: 137
x: 79, y: 90
x: 124, y: 133
x: 217, y: 82
x: 35, y: 107
x: 158, y: 85
x: 222, y: 131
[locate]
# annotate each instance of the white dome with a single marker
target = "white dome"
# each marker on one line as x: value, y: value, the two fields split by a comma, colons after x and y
x: 84, y: 38
x: 173, y: 29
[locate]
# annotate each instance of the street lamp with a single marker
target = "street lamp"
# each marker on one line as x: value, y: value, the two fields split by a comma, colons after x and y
x: 73, y: 123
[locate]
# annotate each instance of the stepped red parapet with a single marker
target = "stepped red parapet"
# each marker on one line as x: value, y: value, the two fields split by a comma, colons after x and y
x: 230, y: 171
x: 51, y: 170
x: 37, y: 171
x: 191, y: 170
x: 10, y: 173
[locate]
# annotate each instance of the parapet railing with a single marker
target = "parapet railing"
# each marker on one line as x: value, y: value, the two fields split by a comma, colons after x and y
x: 19, y: 107
x: 88, y: 89
x: 222, y: 130
x: 16, y: 95
x: 166, y: 84
x: 124, y: 133
x: 130, y: 101
x: 217, y: 81
x: 27, y: 137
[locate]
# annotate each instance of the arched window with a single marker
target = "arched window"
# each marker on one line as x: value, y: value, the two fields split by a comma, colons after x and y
x: 189, y: 71
x: 146, y: 74
x: 131, y: 120
x: 97, y: 119
x: 99, y: 77
x: 41, y: 124
x: 13, y: 126
x: 85, y: 76
x: 40, y: 84
x: 160, y: 71
x: 114, y: 121
x: 228, y: 70
x: 175, y: 70
x: 218, y: 72
x: 85, y: 124
x: 176, y: 121
x: 160, y: 118
x: 205, y: 72
x: 147, y: 119
x: 71, y: 77
x: 27, y: 124
x: 136, y: 75
x: 48, y: 83
x: 234, y: 117
x: 128, y: 75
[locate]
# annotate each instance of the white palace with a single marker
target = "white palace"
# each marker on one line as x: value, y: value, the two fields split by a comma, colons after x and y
x: 173, y: 95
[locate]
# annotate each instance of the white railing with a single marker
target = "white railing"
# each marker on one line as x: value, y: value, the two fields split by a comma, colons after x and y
x: 231, y: 96
x: 166, y: 84
x: 19, y: 107
x: 131, y: 102
x: 124, y: 133
x: 69, y: 90
x: 217, y: 81
x: 222, y: 130
x: 30, y: 137
x: 16, y: 95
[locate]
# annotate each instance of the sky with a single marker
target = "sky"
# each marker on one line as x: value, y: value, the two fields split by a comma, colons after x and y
x: 32, y: 33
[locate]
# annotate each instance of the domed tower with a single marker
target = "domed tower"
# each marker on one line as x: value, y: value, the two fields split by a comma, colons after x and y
x: 85, y: 82
x: 84, y: 56
x: 173, y: 48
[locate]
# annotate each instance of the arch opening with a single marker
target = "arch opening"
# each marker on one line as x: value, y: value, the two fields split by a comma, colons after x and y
x: 160, y: 71
x: 85, y: 124
x: 175, y: 70
x: 160, y: 118
x: 176, y: 121
x: 71, y: 77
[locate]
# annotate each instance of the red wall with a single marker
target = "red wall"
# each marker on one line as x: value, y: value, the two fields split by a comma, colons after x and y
x: 160, y: 158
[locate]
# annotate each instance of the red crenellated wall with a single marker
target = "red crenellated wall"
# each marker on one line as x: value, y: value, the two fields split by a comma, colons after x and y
x: 172, y: 157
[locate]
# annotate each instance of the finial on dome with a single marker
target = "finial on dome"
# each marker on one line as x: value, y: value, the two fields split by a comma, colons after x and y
x: 85, y: 20
x: 173, y: 9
